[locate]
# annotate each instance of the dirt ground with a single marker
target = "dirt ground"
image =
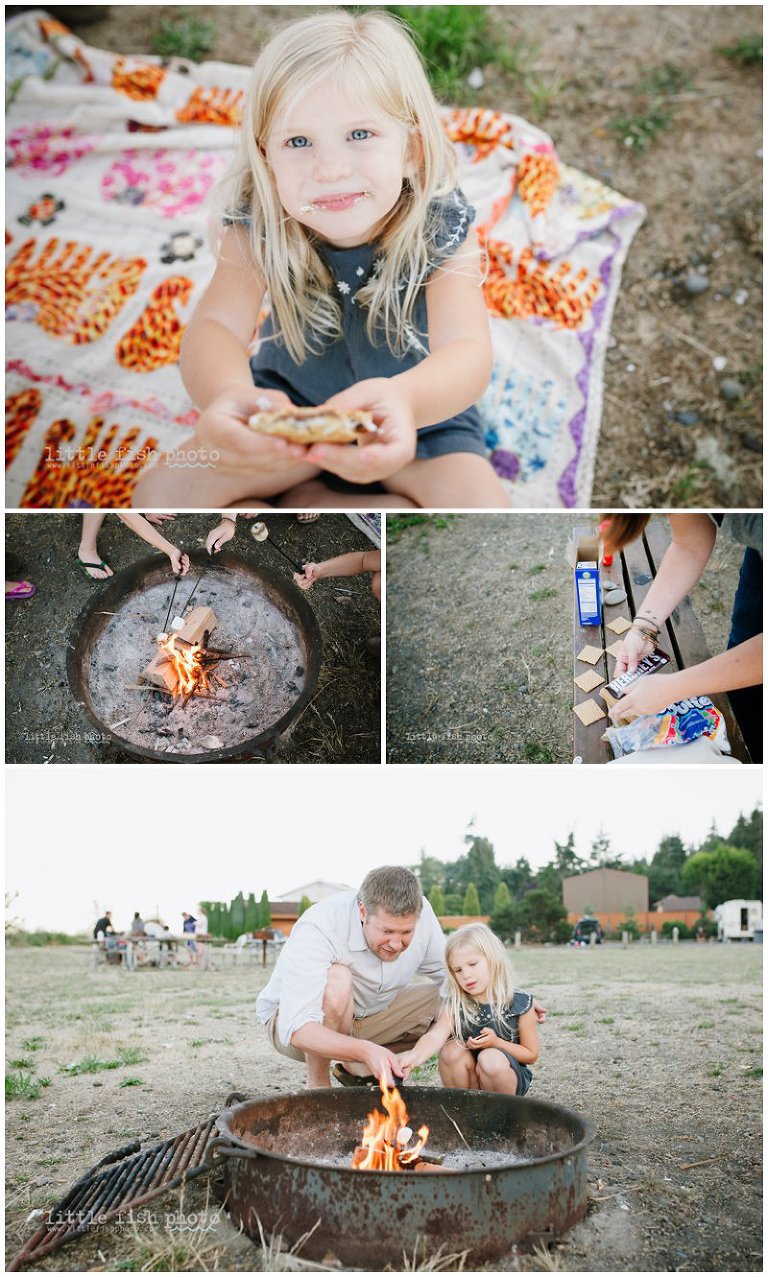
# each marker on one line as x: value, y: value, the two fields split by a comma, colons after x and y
x: 659, y: 1046
x: 44, y: 722
x: 480, y: 637
x: 580, y: 68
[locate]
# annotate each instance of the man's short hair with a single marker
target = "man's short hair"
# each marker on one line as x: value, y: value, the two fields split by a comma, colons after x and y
x: 392, y: 888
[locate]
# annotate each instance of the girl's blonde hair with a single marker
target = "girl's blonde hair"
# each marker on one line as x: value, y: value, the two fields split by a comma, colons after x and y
x: 377, y: 62
x: 475, y: 937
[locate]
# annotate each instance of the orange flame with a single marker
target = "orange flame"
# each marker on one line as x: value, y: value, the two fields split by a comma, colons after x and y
x: 187, y: 662
x: 384, y: 1142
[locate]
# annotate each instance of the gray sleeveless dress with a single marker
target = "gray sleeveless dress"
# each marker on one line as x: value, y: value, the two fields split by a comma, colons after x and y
x: 342, y: 363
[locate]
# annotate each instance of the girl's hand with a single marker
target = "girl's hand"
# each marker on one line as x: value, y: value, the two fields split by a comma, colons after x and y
x: 158, y: 518
x: 218, y: 538
x: 223, y: 442
x: 650, y: 695
x: 408, y: 1061
x: 392, y: 449
x: 634, y: 646
x: 306, y: 578
x: 539, y: 1011
x: 485, y: 1038
x: 179, y: 561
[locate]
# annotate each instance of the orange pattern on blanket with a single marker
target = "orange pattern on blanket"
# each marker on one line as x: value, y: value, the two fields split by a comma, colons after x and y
x: 483, y: 129
x: 212, y: 106
x: 139, y: 81
x: 94, y: 473
x: 77, y: 294
x: 155, y: 338
x: 520, y: 287
x: 50, y: 28
x: 20, y: 411
x: 537, y: 180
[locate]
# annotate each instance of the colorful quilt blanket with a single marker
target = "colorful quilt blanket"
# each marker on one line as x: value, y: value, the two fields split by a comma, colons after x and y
x: 110, y: 162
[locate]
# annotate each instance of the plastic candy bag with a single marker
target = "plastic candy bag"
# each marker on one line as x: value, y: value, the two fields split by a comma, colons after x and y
x: 679, y: 724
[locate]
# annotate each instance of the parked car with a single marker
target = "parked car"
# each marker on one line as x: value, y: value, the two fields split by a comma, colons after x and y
x: 585, y: 928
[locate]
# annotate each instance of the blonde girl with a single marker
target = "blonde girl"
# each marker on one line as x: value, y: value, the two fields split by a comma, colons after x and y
x: 486, y: 1031
x: 342, y: 215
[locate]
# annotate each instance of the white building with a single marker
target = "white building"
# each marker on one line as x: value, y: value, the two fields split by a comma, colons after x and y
x: 314, y: 891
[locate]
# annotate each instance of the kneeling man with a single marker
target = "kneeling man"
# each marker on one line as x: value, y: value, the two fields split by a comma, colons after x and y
x: 345, y: 985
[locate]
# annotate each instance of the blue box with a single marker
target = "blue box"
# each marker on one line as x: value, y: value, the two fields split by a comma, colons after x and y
x: 588, y: 601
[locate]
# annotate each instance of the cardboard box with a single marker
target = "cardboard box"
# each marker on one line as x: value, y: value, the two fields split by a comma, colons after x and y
x: 583, y: 554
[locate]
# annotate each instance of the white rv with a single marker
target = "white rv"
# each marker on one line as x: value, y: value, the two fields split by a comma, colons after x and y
x: 738, y: 919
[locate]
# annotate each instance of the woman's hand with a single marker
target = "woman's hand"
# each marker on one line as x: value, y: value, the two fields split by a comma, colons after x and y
x: 485, y: 1038
x: 634, y: 646
x: 651, y: 694
x: 218, y: 538
x: 389, y: 451
x: 308, y: 577
x: 179, y: 561
x: 223, y: 442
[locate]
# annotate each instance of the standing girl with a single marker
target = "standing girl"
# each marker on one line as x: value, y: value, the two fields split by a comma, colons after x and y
x: 486, y: 1032
x: 343, y: 215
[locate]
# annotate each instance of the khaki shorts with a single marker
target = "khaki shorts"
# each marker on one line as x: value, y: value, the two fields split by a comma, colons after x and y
x: 398, y: 1027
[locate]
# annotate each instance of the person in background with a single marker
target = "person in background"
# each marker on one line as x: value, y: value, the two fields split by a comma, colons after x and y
x: 189, y: 924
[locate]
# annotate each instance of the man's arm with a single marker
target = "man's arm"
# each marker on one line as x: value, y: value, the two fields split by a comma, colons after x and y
x: 329, y: 1045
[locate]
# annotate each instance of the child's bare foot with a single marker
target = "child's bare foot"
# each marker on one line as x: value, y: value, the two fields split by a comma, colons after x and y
x: 97, y: 571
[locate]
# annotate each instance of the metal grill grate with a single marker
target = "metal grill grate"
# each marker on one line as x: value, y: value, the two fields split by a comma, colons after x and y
x: 122, y: 1181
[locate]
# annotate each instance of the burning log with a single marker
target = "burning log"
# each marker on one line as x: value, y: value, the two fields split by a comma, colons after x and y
x: 385, y: 1143
x: 163, y: 670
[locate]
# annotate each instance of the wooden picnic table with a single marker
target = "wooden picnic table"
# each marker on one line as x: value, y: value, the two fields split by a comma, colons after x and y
x: 682, y: 638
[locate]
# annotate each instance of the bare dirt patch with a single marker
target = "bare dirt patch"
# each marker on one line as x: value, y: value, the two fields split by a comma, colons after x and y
x: 44, y: 722
x: 658, y: 1045
x: 480, y: 637
x: 669, y: 436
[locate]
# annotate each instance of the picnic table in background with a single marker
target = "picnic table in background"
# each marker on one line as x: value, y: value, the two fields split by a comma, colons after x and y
x: 682, y: 638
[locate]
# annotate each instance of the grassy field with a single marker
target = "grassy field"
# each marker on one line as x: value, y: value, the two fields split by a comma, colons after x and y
x: 658, y: 1045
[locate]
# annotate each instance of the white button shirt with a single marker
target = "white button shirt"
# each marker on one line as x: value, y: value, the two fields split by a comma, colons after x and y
x: 331, y: 931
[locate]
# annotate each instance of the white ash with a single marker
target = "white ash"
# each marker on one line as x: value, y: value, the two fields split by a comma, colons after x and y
x: 260, y: 689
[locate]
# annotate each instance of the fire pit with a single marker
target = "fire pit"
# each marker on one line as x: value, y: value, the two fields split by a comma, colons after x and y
x: 252, y: 634
x: 520, y: 1173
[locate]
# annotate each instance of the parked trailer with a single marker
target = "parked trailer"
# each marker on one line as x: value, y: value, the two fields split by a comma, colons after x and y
x: 739, y: 919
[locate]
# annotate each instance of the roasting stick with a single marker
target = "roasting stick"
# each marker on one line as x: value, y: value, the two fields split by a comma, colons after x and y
x: 170, y: 605
x: 260, y: 532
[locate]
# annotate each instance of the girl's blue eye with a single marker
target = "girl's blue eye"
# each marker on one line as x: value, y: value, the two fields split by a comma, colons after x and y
x: 359, y: 135
x: 298, y: 143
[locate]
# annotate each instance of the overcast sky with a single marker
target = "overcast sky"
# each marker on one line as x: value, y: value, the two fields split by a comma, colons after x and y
x: 160, y: 839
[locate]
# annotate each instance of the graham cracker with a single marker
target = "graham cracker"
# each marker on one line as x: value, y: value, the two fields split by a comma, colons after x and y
x: 589, y: 712
x: 590, y: 654
x: 589, y: 680
x: 619, y: 625
x: 609, y: 698
x: 615, y: 648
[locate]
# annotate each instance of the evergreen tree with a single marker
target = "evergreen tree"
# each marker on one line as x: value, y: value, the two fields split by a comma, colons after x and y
x: 251, y: 914
x: 748, y: 833
x: 429, y: 870
x: 471, y: 901
x: 501, y: 898
x: 437, y: 900
x: 454, y: 903
x: 237, y: 916
x: 519, y: 878
x: 265, y: 913
x: 304, y: 904
x: 481, y: 868
x: 664, y: 875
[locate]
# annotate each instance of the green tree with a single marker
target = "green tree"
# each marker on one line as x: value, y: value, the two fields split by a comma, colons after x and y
x: 251, y: 913
x: 519, y: 877
x: 237, y: 916
x: 543, y: 912
x: 304, y: 904
x: 665, y: 869
x: 437, y: 900
x: 721, y: 873
x: 601, y: 855
x: 507, y: 920
x: 454, y: 903
x: 748, y: 833
x: 265, y: 913
x: 429, y: 871
x: 501, y: 897
x: 471, y: 901
x: 481, y: 867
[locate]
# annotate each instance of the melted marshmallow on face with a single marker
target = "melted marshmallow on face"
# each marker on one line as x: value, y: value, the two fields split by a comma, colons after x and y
x: 338, y: 165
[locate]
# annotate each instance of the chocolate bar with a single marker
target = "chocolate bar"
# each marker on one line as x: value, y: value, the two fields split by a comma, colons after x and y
x: 618, y: 687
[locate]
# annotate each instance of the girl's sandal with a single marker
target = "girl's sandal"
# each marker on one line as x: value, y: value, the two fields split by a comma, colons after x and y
x: 307, y: 518
x: 96, y: 566
x: 21, y: 590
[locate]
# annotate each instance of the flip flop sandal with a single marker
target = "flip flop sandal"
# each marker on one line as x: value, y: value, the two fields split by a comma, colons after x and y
x: 307, y: 518
x: 351, y: 1079
x: 21, y: 590
x: 613, y: 594
x: 85, y: 567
